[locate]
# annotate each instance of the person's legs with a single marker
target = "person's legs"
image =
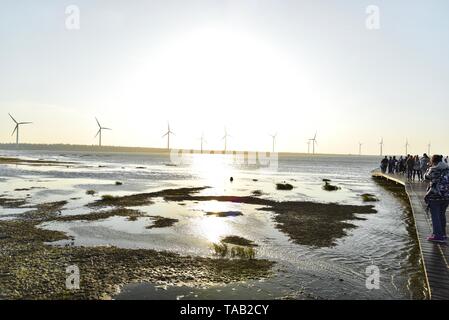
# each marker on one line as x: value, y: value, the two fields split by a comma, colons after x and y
x: 443, y: 217
x: 435, y: 207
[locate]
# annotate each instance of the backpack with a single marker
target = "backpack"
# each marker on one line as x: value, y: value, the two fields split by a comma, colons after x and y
x: 442, y: 185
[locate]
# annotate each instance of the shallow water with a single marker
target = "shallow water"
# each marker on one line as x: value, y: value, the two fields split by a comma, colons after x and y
x: 384, y: 239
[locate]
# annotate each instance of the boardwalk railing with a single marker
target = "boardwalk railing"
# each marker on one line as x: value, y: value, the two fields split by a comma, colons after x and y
x: 435, y: 256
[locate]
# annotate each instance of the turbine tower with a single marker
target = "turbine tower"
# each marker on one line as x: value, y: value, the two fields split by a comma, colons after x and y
x: 406, y: 146
x: 168, y: 133
x: 313, y: 140
x: 428, y: 148
x: 381, y: 143
x: 225, y: 137
x: 202, y: 141
x: 16, y: 128
x: 273, y: 137
x: 360, y: 148
x: 100, y: 129
x: 308, y: 146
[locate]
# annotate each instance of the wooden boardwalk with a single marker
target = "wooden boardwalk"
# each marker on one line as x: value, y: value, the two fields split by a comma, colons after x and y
x: 435, y: 256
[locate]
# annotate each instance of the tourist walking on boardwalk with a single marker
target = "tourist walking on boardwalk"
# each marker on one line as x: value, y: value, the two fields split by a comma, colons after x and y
x: 424, y: 163
x: 437, y: 197
x: 410, y: 163
x: 384, y: 164
x: 390, y: 165
x: 401, y: 165
x: 417, y: 169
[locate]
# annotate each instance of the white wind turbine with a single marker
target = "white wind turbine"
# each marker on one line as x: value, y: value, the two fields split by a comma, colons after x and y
x: 308, y: 146
x: 360, y: 148
x: 429, y: 145
x: 202, y: 140
x: 225, y: 138
x: 100, y: 129
x: 381, y: 143
x: 273, y: 137
x: 168, y: 133
x: 406, y: 146
x: 313, y: 140
x: 16, y: 128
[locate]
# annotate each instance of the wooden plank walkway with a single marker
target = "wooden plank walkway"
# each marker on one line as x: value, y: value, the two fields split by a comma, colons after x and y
x: 435, y: 256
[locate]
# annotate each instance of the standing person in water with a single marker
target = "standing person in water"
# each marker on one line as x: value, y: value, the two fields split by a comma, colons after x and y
x: 437, y: 197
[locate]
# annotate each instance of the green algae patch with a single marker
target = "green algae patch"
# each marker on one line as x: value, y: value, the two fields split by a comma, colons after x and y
x: 141, y: 199
x: 368, y: 197
x: 30, y: 268
x: 329, y: 187
x: 122, y: 212
x: 240, y: 241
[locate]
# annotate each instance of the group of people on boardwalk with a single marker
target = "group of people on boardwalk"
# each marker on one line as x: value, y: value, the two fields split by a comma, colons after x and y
x: 435, y: 171
x: 413, y: 166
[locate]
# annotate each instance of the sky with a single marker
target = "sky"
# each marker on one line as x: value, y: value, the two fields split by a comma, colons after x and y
x: 255, y: 67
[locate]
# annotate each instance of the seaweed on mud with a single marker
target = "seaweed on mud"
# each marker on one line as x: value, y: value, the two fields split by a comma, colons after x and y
x: 306, y: 223
x: 223, y: 214
x: 12, y: 202
x: 368, y: 197
x: 236, y: 240
x: 284, y: 186
x: 329, y: 187
x: 140, y: 199
x: 99, y: 215
x: 40, y: 162
x: 161, y: 222
x: 31, y: 269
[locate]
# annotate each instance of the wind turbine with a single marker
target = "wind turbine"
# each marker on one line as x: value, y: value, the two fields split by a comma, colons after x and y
x: 308, y: 146
x: 225, y: 137
x: 273, y: 136
x: 406, y: 146
x: 100, y: 129
x: 381, y: 146
x: 202, y: 141
x: 360, y: 148
x: 313, y: 140
x: 168, y: 133
x: 16, y: 128
x: 428, y: 148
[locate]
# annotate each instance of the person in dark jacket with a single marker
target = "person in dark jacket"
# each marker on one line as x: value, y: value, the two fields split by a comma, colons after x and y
x: 384, y: 164
x: 436, y: 204
x: 410, y: 163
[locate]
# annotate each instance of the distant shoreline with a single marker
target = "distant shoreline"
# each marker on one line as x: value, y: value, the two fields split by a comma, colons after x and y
x: 142, y: 150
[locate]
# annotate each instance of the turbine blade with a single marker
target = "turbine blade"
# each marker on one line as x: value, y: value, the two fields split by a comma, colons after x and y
x: 98, y: 122
x: 12, y: 118
x: 15, y: 128
x: 97, y: 133
x: 106, y: 128
x: 164, y: 135
x: 24, y: 122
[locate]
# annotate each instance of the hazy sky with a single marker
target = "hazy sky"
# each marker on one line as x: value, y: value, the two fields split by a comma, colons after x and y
x: 256, y: 67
